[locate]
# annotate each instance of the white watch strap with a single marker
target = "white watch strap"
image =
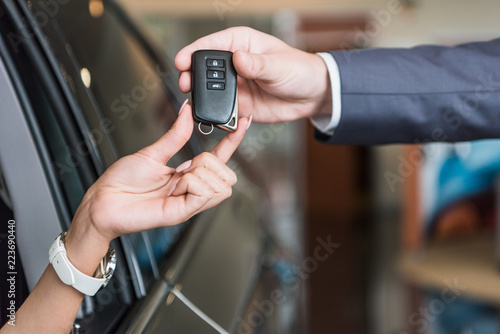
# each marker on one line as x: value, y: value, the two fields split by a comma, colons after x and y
x: 68, y: 274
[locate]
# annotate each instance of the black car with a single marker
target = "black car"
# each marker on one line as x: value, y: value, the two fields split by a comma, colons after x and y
x: 81, y: 87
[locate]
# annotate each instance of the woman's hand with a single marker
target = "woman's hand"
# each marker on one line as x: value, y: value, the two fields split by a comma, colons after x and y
x: 136, y: 193
x: 139, y: 192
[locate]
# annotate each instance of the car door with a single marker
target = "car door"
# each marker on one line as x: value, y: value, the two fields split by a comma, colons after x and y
x: 82, y: 107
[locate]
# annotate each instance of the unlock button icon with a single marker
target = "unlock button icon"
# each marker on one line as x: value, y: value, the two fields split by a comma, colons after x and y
x: 215, y: 74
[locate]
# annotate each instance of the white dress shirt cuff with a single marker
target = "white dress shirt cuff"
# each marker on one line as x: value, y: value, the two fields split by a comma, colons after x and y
x: 327, y: 123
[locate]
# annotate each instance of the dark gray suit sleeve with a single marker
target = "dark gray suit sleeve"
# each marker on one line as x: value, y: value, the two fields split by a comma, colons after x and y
x: 427, y: 93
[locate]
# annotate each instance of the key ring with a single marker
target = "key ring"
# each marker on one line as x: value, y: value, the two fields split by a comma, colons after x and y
x: 206, y: 133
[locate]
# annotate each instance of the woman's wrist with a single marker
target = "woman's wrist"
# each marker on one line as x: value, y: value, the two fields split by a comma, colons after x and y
x: 85, y: 245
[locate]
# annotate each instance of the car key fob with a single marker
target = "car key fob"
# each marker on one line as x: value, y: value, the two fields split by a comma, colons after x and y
x: 214, y: 92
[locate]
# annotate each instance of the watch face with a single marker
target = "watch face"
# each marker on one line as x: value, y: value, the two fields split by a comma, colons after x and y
x: 107, y: 266
x: 111, y: 265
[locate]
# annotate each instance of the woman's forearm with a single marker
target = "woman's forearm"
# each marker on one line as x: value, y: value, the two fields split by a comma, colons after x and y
x: 52, y: 305
x: 50, y: 308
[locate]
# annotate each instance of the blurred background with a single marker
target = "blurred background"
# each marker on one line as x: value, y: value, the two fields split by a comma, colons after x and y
x: 414, y: 225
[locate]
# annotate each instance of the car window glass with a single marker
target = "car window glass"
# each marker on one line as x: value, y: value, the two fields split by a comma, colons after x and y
x: 103, y: 59
x: 63, y: 160
x: 124, y: 81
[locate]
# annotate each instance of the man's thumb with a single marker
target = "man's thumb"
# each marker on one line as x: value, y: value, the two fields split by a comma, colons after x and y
x: 253, y: 66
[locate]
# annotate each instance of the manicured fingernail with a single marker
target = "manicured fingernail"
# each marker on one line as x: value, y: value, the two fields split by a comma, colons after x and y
x: 249, y: 122
x: 173, y: 187
x: 183, y: 105
x: 183, y: 166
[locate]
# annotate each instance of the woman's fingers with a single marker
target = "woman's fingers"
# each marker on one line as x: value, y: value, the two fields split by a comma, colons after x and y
x: 171, y: 142
x: 219, y: 186
x: 203, y: 182
x: 226, y: 147
x: 214, y: 164
x: 220, y: 155
x: 203, y: 189
x: 190, y: 184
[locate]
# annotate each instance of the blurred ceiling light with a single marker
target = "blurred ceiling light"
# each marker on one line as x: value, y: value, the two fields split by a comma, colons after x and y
x: 96, y: 8
x: 85, y: 75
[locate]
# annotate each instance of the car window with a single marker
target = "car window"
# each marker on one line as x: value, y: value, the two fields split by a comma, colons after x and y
x: 62, y: 158
x: 67, y: 188
x: 121, y: 93
x: 124, y: 82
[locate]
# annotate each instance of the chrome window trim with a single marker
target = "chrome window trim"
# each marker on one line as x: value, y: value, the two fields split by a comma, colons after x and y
x: 26, y: 179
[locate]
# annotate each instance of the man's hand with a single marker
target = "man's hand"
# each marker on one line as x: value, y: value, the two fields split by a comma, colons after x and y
x: 277, y: 82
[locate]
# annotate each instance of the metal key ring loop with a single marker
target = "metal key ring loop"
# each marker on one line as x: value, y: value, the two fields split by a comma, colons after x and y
x: 206, y: 133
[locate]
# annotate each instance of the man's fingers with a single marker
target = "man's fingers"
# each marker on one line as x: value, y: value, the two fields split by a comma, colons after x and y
x: 253, y: 66
x: 249, y: 66
x: 234, y: 39
x: 226, y: 147
x: 185, y: 82
x: 171, y: 142
x: 222, y: 40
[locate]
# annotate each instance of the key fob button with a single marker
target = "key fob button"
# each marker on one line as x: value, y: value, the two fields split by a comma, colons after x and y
x: 215, y: 85
x: 215, y: 74
x: 215, y: 62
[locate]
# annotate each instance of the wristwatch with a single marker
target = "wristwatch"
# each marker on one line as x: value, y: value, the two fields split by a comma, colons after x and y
x: 69, y: 275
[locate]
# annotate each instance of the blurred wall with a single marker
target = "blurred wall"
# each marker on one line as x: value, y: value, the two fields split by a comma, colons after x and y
x: 429, y: 21
x: 442, y: 21
x: 244, y: 7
